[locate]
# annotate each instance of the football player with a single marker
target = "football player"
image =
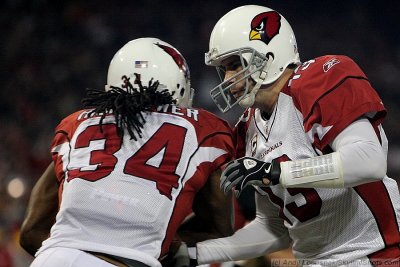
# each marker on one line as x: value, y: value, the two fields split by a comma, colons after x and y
x: 130, y: 168
x: 311, y: 142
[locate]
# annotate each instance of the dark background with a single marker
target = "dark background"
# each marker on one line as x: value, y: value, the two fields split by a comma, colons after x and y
x: 51, y: 51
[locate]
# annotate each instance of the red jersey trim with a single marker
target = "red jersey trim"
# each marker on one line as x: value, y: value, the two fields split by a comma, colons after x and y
x: 346, y: 121
x: 383, y: 211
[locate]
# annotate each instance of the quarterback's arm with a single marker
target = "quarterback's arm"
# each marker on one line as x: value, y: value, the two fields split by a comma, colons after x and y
x: 358, y: 158
x: 263, y: 235
x: 213, y: 214
x: 358, y: 146
x: 41, y: 212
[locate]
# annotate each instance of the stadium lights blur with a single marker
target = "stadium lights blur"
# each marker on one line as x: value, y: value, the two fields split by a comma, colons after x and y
x: 16, y: 187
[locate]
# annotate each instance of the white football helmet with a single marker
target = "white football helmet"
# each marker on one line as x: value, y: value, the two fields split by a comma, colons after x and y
x: 264, y: 43
x: 154, y: 59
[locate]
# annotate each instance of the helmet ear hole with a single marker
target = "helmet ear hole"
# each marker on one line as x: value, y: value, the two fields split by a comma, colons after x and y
x: 270, y: 54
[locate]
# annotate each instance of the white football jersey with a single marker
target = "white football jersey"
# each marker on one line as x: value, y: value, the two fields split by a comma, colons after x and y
x: 127, y: 198
x: 323, y: 97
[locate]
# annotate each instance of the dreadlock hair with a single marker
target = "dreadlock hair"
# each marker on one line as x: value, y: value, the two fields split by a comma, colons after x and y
x: 127, y: 104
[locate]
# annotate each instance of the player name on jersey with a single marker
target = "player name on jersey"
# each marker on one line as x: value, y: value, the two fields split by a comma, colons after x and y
x: 191, y: 113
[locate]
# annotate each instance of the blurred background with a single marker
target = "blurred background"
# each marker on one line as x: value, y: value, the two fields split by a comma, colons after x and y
x: 51, y: 51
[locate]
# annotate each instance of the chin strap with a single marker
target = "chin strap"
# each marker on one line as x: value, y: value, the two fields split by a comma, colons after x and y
x: 249, y: 98
x: 191, y: 96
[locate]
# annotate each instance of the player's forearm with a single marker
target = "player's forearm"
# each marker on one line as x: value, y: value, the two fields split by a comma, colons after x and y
x: 359, y: 159
x: 195, y: 230
x: 252, y: 241
x: 36, y: 226
x: 31, y: 240
x: 213, y: 214
x: 41, y: 212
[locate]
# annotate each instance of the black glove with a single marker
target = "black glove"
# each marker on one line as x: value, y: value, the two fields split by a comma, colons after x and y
x: 179, y: 255
x: 245, y: 171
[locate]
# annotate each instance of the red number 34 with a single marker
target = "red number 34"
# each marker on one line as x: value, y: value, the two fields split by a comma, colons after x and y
x: 94, y: 157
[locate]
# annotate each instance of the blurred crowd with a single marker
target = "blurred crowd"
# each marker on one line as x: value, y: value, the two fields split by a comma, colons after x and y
x: 53, y: 50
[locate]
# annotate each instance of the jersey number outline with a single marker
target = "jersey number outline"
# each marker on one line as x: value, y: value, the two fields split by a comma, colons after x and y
x: 305, y: 212
x: 169, y: 139
x: 311, y: 209
x: 98, y: 142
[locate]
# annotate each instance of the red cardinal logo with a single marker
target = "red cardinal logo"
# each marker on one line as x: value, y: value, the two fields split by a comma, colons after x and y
x: 178, y: 58
x: 265, y: 26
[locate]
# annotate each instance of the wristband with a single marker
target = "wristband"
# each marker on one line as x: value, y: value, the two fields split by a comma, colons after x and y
x: 192, y: 251
x: 324, y: 171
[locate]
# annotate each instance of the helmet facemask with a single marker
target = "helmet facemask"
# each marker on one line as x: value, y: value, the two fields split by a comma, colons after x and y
x: 253, y: 73
x: 237, y: 33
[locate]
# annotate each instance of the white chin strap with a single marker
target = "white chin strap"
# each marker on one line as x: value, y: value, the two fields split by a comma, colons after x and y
x: 249, y: 98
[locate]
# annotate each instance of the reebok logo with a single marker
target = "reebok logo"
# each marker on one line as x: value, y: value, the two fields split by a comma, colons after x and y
x: 329, y: 64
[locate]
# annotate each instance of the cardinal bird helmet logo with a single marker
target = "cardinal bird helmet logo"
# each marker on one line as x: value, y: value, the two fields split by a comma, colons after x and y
x: 178, y: 58
x: 265, y: 26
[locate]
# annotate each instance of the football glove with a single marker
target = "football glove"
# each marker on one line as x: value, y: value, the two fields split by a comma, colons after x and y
x: 248, y: 171
x: 178, y: 255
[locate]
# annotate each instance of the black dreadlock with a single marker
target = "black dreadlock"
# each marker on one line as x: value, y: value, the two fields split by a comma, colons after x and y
x: 127, y: 104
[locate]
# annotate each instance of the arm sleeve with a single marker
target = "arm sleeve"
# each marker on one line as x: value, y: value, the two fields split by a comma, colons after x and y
x: 358, y: 158
x: 361, y: 153
x: 266, y: 233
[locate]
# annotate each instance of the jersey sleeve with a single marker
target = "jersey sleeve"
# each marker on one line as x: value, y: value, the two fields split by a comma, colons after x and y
x: 331, y: 92
x: 216, y: 133
x: 61, y: 141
